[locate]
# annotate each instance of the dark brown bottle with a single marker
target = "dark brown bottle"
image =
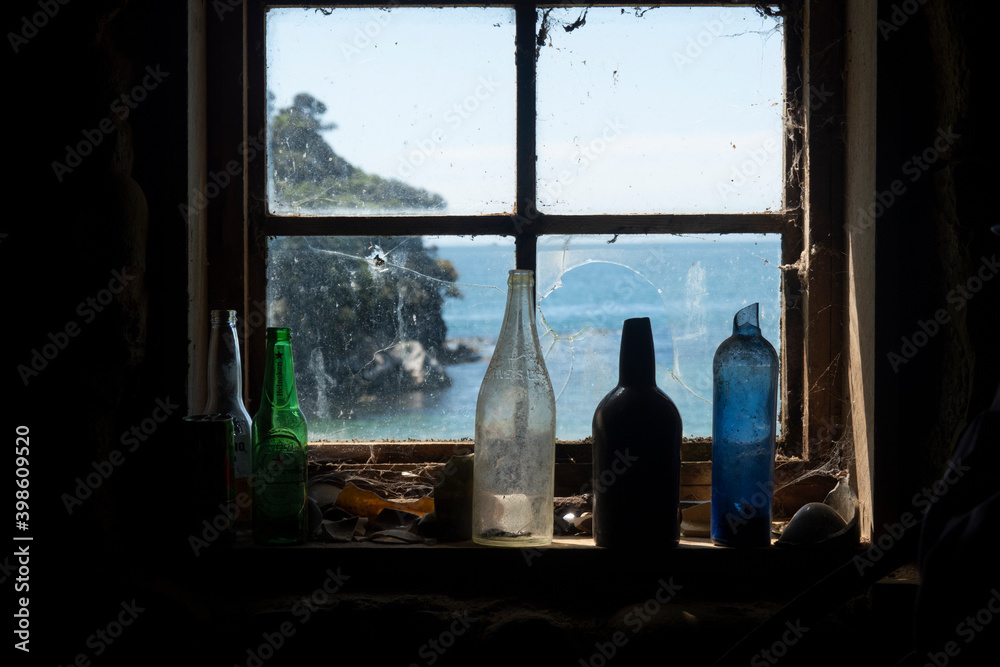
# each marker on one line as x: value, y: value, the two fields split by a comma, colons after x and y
x: 637, y: 452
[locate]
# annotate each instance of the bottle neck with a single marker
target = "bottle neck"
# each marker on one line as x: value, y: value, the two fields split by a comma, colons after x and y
x: 746, y: 322
x: 225, y: 381
x: 279, y: 376
x: 520, y: 313
x: 637, y: 361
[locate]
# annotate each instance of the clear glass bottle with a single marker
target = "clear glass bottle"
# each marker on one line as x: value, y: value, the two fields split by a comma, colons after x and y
x: 514, y: 462
x: 637, y: 452
x: 744, y: 427
x: 278, y: 435
x: 225, y: 396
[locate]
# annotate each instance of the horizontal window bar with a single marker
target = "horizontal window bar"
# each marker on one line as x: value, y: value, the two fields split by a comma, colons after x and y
x: 462, y: 225
x: 542, y: 5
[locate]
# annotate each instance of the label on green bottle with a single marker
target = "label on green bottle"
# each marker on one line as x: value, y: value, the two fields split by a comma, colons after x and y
x: 279, y: 476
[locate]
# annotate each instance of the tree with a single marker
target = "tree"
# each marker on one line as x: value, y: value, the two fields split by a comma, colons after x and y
x: 359, y: 307
x: 309, y: 176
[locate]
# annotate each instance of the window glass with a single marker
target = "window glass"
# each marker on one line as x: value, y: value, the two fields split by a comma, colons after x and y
x: 411, y: 111
x: 394, y: 110
x: 689, y: 286
x: 392, y: 336
x: 662, y: 110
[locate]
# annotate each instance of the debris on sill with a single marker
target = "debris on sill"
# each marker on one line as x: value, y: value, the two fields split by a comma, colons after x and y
x: 830, y: 524
x: 348, y: 513
x: 372, y: 504
x: 430, y: 503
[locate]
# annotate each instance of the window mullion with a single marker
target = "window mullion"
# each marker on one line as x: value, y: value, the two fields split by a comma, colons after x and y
x: 525, y: 210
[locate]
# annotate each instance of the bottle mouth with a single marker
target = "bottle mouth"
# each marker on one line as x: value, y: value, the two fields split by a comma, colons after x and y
x: 521, y: 278
x: 223, y: 316
x: 278, y: 333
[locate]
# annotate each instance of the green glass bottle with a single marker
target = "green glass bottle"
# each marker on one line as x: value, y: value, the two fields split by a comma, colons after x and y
x: 278, y: 436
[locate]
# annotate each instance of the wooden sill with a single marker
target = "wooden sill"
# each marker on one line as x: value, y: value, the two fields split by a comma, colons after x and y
x: 573, y: 468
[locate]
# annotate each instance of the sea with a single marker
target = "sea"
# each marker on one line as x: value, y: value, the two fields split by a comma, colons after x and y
x: 690, y: 287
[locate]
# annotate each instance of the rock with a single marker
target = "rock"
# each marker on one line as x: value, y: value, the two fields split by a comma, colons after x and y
x: 409, y: 364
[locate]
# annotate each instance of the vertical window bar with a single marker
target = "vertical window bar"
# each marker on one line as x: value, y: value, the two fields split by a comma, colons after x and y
x: 525, y: 211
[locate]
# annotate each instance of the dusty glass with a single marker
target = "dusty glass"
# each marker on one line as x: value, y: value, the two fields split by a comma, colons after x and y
x: 394, y: 110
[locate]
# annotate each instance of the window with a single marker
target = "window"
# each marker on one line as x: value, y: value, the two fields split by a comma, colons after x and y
x: 413, y: 174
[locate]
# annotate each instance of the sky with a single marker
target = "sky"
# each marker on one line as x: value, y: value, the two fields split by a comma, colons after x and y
x: 682, y: 114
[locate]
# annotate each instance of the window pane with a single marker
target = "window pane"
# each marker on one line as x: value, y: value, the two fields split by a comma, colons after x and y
x: 392, y: 336
x: 690, y: 288
x: 663, y: 110
x: 392, y: 110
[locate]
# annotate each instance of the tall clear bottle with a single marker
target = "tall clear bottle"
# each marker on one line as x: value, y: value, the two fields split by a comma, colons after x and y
x: 278, y: 434
x: 637, y: 451
x: 514, y: 463
x: 225, y: 396
x: 744, y: 427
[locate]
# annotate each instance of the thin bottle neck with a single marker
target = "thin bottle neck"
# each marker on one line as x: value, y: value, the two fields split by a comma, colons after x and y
x: 520, y: 313
x: 225, y: 382
x: 746, y: 322
x: 637, y: 361
x: 279, y: 375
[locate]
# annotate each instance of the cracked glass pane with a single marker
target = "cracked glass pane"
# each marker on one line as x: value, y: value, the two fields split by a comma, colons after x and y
x: 659, y: 110
x: 690, y: 286
x: 392, y: 336
x: 394, y: 110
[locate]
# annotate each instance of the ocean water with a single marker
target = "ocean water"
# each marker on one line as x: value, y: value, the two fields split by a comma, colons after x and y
x: 690, y: 288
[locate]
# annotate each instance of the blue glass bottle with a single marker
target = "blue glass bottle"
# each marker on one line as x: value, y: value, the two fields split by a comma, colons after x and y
x: 744, y: 426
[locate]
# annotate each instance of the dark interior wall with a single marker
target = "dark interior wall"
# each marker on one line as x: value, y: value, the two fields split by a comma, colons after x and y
x: 936, y: 254
x: 94, y: 254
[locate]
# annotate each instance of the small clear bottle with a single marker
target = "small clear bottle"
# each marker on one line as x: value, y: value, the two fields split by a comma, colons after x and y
x: 514, y: 462
x: 225, y: 396
x: 744, y: 427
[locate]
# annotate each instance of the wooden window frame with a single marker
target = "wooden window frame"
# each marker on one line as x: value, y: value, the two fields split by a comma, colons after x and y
x: 234, y: 226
